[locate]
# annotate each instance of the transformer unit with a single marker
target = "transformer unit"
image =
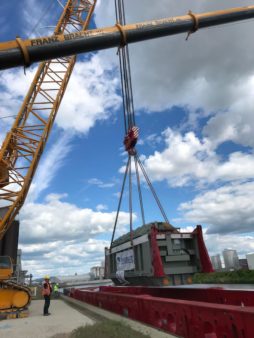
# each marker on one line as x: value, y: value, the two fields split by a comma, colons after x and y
x: 157, y: 254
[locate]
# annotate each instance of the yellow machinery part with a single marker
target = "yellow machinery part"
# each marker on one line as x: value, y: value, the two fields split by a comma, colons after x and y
x: 4, y: 175
x: 11, y: 298
x: 5, y: 273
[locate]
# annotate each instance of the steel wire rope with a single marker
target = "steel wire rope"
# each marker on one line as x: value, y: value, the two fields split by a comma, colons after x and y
x: 130, y: 200
x: 120, y: 201
x: 47, y: 9
x: 152, y: 189
x: 125, y: 68
x: 7, y: 116
x: 126, y: 50
x: 139, y: 190
x: 129, y: 122
x: 121, y: 73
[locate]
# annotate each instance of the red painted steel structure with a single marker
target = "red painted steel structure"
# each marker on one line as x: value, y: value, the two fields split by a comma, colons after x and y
x: 185, y: 312
x: 203, y: 253
x: 156, y: 257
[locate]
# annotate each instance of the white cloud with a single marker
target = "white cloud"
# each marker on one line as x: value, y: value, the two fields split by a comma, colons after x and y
x: 49, y: 166
x: 91, y: 95
x: 210, y: 75
x: 58, y: 237
x: 187, y: 159
x: 151, y: 140
x: 57, y: 220
x: 39, y: 18
x: 216, y: 243
x: 101, y: 184
x: 228, y: 209
x: 101, y: 207
x: 236, y: 123
x: 63, y: 257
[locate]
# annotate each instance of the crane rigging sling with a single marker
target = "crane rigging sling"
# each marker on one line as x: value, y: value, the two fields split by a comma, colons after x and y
x: 131, y: 132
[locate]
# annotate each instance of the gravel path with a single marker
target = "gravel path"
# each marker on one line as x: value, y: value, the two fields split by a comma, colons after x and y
x: 63, y: 319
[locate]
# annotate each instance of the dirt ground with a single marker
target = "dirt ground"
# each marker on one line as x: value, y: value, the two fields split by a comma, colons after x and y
x: 63, y: 320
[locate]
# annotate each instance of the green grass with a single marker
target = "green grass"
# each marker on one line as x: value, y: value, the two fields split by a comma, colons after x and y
x: 107, y: 329
x: 230, y: 277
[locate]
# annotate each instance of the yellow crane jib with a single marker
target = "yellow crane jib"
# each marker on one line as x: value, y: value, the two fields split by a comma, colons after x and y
x: 24, y: 144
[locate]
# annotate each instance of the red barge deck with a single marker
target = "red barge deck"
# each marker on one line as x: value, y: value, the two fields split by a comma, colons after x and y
x: 183, y: 311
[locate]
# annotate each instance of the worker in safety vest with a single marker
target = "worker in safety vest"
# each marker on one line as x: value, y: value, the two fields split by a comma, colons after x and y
x: 46, y: 292
x: 56, y: 290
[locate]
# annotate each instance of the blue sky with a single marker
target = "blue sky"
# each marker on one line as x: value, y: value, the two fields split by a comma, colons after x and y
x: 194, y: 103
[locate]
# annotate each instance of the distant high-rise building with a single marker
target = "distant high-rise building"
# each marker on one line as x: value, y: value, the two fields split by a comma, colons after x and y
x: 250, y: 260
x: 243, y: 263
x: 216, y: 262
x: 97, y: 272
x: 231, y: 259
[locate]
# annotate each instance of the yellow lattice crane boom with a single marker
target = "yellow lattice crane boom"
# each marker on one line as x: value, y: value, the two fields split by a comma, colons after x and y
x: 24, y: 144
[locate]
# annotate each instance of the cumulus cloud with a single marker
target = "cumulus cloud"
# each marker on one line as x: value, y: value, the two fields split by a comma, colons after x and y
x: 210, y: 75
x: 91, y: 94
x: 227, y: 209
x: 57, y: 220
x: 96, y: 84
x: 236, y: 123
x: 63, y: 257
x: 100, y: 183
x: 216, y: 243
x: 101, y: 207
x: 187, y: 159
x: 58, y: 237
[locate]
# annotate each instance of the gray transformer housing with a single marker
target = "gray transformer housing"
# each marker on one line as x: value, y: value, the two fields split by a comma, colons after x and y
x: 178, y: 253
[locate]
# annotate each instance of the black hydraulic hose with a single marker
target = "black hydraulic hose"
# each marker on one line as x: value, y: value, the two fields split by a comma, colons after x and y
x: 11, y: 55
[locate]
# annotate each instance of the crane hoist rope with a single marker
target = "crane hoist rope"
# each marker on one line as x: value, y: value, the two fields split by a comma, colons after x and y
x: 131, y: 133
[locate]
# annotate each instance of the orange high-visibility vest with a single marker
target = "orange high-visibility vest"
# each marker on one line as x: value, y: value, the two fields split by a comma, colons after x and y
x: 46, y: 291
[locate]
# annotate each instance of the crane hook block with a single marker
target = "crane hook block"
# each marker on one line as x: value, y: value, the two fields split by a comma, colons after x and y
x: 131, y: 139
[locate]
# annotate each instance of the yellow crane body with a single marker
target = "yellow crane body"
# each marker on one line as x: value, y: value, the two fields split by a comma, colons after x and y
x: 24, y: 144
x: 14, y: 298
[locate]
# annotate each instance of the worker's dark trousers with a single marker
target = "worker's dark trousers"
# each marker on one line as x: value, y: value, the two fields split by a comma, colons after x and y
x: 46, y: 305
